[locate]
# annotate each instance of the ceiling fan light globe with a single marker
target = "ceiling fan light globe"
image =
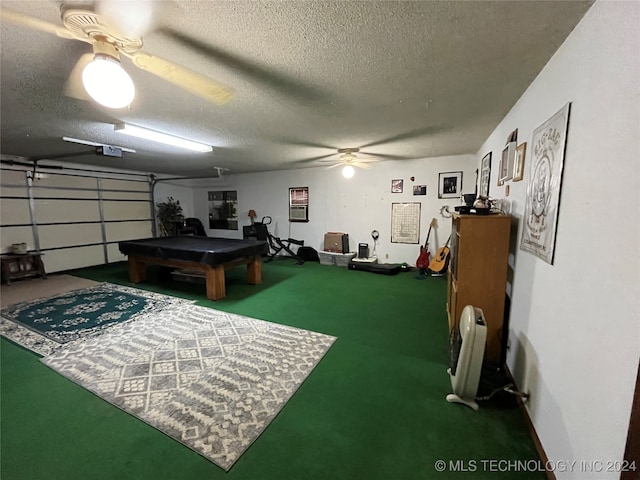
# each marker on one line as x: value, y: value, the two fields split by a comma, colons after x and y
x: 108, y: 83
x: 348, y: 171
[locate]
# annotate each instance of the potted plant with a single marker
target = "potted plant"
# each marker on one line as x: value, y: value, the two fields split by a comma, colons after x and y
x: 169, y: 215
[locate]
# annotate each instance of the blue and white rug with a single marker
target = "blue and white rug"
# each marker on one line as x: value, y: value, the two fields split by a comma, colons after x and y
x: 44, y: 325
x: 209, y: 379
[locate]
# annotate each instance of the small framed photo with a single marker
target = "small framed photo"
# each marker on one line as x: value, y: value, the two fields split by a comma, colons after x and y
x: 500, y: 179
x: 449, y: 185
x: 507, y: 161
x: 518, y: 165
x: 396, y: 186
x: 485, y: 175
x: 419, y: 189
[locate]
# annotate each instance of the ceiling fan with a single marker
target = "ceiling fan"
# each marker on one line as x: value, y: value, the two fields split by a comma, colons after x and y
x: 348, y: 159
x: 114, y: 89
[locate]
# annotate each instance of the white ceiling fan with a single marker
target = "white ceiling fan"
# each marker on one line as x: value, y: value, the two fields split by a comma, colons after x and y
x: 101, y: 73
x: 348, y: 159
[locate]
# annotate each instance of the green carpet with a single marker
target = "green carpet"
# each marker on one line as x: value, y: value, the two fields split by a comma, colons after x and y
x: 374, y: 407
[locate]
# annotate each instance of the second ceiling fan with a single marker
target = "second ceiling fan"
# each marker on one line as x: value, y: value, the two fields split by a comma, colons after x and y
x: 348, y: 159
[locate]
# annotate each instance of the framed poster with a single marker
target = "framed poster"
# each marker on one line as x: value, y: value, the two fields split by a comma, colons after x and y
x: 543, y: 190
x: 396, y: 186
x: 449, y: 185
x: 485, y: 175
x: 405, y: 222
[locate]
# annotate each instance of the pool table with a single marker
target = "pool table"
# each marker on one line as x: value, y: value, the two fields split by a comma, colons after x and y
x: 207, y: 254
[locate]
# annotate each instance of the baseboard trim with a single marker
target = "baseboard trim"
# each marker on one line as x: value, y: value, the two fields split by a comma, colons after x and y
x: 532, y: 430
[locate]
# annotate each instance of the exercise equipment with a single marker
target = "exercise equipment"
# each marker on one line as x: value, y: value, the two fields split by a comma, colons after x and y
x: 383, y: 268
x: 276, y: 244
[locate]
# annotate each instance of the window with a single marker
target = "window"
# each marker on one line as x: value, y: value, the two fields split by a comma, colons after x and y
x: 299, y: 204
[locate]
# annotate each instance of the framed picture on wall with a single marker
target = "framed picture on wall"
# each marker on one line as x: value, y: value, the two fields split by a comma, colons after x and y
x: 507, y: 161
x: 396, y: 186
x: 405, y: 222
x: 485, y: 175
x: 518, y: 165
x: 419, y: 189
x: 540, y: 217
x: 450, y: 185
x: 501, y: 170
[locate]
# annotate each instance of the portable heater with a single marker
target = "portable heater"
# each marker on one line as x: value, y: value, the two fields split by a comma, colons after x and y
x: 467, y: 353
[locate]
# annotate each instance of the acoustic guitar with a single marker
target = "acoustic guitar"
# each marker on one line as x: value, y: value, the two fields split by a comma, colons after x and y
x: 423, y: 260
x: 441, y: 258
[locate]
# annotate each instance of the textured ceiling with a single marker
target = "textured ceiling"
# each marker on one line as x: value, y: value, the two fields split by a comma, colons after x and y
x: 398, y: 79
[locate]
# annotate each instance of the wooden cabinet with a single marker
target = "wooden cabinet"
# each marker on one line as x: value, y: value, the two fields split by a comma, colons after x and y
x: 477, y: 274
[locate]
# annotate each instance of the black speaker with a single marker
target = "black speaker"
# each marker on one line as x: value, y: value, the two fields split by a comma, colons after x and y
x: 363, y: 250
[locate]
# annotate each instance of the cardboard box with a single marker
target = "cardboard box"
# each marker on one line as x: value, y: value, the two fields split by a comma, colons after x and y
x: 336, y: 242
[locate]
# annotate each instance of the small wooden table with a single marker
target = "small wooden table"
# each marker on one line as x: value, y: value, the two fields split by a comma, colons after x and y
x: 22, y: 266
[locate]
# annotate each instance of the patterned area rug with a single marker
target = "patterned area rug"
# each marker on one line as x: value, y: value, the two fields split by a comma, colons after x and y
x: 44, y: 325
x: 211, y: 380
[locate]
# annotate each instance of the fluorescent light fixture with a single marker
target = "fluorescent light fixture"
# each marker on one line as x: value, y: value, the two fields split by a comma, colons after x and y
x: 154, y: 136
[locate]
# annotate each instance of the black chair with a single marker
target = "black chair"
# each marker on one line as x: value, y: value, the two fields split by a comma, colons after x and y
x: 196, y: 225
x: 276, y: 245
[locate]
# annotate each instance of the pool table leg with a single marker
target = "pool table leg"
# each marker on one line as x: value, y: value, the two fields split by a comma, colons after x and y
x: 137, y: 272
x: 215, y: 282
x: 254, y: 271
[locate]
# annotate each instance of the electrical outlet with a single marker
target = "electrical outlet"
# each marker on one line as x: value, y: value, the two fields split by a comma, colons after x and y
x: 386, y: 256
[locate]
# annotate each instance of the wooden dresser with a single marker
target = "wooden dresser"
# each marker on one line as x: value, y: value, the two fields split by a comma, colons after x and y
x: 477, y: 274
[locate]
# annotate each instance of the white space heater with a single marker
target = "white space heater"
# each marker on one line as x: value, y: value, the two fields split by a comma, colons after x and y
x: 467, y: 353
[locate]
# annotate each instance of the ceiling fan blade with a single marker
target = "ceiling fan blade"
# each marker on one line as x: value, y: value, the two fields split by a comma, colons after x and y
x: 336, y: 165
x: 384, y: 156
x: 74, y: 87
x: 35, y: 24
x: 360, y: 165
x: 182, y: 77
x: 367, y: 159
x: 420, y: 132
x: 277, y: 81
x: 317, y: 159
x: 300, y: 143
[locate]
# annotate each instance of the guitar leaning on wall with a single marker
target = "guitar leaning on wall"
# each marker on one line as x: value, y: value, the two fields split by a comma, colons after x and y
x: 423, y: 260
x: 441, y: 258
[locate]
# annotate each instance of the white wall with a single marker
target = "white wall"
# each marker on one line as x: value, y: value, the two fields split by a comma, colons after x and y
x: 575, y: 326
x: 355, y: 206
